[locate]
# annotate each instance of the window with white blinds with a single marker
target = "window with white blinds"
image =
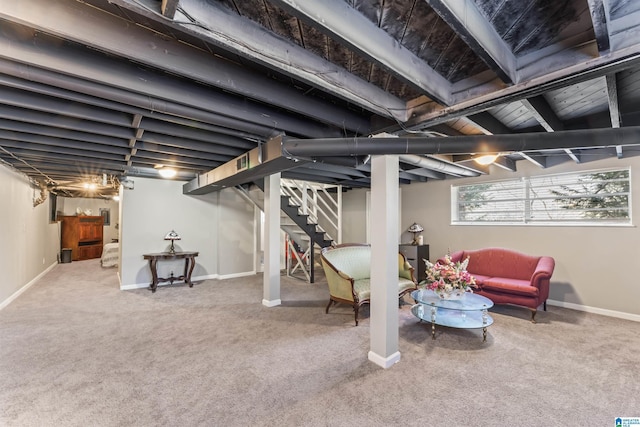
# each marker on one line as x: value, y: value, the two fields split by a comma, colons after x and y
x: 584, y: 198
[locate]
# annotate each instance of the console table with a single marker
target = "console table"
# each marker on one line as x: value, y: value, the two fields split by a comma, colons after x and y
x: 189, y: 263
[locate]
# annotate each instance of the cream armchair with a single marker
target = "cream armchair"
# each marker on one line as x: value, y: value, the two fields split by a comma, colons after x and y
x: 348, y: 267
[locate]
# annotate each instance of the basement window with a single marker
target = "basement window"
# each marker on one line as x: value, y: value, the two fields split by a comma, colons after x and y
x: 601, y: 197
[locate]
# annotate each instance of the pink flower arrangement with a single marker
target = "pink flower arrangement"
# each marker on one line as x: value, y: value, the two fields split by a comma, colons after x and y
x: 448, y: 278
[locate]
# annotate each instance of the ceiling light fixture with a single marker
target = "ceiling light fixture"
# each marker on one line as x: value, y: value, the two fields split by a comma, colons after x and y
x: 486, y: 159
x: 167, y: 172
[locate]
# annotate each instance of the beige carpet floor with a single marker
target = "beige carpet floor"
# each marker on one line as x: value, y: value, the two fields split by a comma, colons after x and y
x: 77, y: 351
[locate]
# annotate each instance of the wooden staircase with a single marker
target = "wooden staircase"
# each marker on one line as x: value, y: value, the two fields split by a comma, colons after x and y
x: 299, y: 220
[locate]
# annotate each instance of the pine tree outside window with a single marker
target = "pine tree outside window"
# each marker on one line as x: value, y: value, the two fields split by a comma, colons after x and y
x: 584, y: 198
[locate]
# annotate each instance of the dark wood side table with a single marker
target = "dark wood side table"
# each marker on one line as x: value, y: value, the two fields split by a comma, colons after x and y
x: 189, y: 263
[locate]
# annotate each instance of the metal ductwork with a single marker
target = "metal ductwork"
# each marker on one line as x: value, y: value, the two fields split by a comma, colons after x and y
x: 282, y: 153
x: 484, y: 144
x: 264, y: 160
x: 436, y: 165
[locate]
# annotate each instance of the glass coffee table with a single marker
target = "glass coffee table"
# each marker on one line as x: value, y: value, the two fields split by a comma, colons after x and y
x: 468, y: 312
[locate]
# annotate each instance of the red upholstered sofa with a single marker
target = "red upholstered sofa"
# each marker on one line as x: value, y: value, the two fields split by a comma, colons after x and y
x: 509, y: 277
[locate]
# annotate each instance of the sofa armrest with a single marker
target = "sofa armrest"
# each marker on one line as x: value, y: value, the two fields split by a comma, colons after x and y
x: 405, y: 270
x: 340, y: 283
x: 542, y: 275
x: 456, y: 256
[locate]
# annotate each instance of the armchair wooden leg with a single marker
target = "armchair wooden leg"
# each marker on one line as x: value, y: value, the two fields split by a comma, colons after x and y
x: 545, y: 305
x: 329, y: 305
x: 533, y: 315
x: 356, y: 308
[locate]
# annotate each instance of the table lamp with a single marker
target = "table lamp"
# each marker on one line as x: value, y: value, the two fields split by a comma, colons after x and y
x: 173, y: 236
x: 415, y: 229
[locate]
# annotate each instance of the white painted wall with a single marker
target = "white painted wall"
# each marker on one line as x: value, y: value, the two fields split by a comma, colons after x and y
x: 237, y: 234
x: 217, y: 225
x: 595, y: 266
x: 354, y: 220
x: 68, y: 206
x: 30, y: 243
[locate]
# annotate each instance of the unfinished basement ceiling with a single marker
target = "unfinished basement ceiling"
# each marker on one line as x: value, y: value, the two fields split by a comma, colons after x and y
x: 96, y: 88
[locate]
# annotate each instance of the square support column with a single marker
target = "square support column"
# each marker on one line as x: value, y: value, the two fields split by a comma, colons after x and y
x: 271, y: 278
x: 384, y: 261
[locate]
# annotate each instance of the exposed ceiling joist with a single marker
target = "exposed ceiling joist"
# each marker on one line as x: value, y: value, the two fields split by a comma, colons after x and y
x: 17, y: 128
x: 472, y: 27
x: 544, y: 114
x: 612, y: 99
x: 20, y: 148
x: 505, y: 163
x: 230, y: 31
x: 599, y: 16
x: 119, y: 82
x: 137, y: 119
x: 536, y: 159
x: 169, y: 7
x: 489, y: 124
x: 623, y: 29
x: 343, y: 22
x: 31, y: 101
x: 575, y: 157
x: 581, y: 72
x: 614, y: 106
x: 92, y: 27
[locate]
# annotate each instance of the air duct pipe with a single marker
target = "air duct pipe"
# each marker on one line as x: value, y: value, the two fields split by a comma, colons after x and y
x: 484, y: 144
x: 436, y: 165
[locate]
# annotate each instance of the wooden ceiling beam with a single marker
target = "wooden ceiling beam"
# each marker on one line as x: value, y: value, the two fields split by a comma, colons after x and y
x: 505, y: 163
x: 342, y: 22
x: 222, y: 27
x: 614, y: 106
x: 585, y: 70
x: 599, y: 17
x: 94, y: 28
x: 479, y: 34
x: 536, y: 159
x: 169, y: 8
x: 543, y: 113
x: 489, y: 124
x: 612, y: 98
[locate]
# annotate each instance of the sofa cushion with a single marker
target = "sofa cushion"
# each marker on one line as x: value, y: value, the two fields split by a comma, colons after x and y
x: 479, y: 278
x: 497, y: 262
x: 362, y: 288
x: 511, y: 286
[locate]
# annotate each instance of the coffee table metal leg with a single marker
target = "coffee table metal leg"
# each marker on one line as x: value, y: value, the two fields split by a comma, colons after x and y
x: 485, y: 318
x: 433, y: 323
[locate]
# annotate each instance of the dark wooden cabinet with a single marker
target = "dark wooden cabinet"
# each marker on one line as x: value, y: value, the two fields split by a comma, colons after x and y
x: 83, y: 235
x: 415, y: 254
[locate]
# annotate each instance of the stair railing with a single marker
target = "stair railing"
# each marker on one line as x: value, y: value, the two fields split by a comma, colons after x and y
x: 321, y: 207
